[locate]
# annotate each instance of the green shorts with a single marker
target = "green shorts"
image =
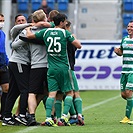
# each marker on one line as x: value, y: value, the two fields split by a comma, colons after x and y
x: 75, y: 83
x: 60, y: 79
x: 126, y: 81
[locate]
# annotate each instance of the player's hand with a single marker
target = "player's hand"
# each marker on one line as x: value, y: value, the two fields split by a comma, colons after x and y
x: 32, y: 24
x: 118, y: 51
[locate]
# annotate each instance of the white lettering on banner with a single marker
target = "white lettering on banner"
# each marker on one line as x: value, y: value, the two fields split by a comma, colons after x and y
x: 98, y: 67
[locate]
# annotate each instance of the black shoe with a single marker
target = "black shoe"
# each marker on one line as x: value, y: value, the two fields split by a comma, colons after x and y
x: 16, y: 122
x: 22, y: 120
x: 14, y: 116
x: 27, y: 115
x: 32, y: 121
x: 37, y: 124
x: 8, y: 122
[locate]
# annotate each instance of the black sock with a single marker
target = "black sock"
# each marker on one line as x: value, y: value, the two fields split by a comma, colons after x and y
x: 32, y: 115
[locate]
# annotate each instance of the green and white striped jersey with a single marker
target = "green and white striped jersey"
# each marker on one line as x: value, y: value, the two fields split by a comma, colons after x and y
x: 56, y: 40
x: 127, y: 48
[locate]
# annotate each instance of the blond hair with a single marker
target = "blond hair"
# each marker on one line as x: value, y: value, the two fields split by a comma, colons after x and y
x: 52, y: 14
x: 38, y: 15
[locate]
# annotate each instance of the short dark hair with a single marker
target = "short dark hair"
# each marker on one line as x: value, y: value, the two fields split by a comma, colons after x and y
x: 131, y: 21
x: 1, y: 15
x: 18, y: 16
x: 68, y: 23
x: 59, y: 18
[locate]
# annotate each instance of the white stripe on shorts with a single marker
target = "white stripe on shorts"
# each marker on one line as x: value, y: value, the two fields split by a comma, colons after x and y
x: 20, y: 68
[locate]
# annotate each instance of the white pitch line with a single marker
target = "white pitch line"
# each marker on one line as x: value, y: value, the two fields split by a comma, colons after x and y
x: 100, y: 103
x: 26, y: 130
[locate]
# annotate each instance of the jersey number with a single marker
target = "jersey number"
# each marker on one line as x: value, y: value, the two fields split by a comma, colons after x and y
x: 54, y: 41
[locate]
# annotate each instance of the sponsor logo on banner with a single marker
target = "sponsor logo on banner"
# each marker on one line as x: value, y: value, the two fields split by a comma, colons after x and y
x: 97, y: 66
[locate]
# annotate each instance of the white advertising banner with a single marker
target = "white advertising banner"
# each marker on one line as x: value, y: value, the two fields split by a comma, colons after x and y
x: 97, y: 66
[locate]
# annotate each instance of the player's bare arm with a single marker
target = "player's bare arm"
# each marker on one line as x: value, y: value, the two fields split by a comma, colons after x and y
x: 118, y: 51
x: 43, y: 24
x: 77, y: 43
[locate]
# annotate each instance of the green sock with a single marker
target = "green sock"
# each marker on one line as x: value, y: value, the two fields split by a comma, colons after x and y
x: 44, y: 101
x: 58, y: 108
x: 129, y: 107
x: 49, y: 106
x: 78, y: 105
x: 72, y: 110
x: 67, y: 104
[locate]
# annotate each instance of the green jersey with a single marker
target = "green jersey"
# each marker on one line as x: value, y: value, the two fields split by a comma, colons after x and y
x: 127, y: 47
x: 52, y: 24
x: 56, y: 40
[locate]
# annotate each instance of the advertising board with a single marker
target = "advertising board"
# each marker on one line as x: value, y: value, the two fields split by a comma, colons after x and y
x: 97, y: 66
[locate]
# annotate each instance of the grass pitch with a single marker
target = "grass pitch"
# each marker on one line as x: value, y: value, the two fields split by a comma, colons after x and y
x: 102, y: 111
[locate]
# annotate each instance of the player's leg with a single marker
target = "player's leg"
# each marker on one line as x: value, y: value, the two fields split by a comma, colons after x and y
x: 49, y: 105
x: 45, y: 85
x: 66, y: 86
x: 3, y: 97
x: 126, y: 87
x: 36, y: 91
x: 53, y: 87
x: 129, y: 92
x: 128, y: 107
x: 77, y: 100
x: 22, y: 79
x: 58, y: 107
x: 67, y: 104
x: 78, y: 108
x: 4, y: 83
x: 12, y: 95
x: 73, y: 115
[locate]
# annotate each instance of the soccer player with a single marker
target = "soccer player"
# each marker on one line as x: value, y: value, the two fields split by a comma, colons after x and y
x: 126, y: 81
x: 59, y: 71
x: 75, y: 116
x: 51, y: 15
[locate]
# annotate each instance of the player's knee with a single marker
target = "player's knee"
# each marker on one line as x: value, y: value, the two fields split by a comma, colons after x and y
x: 123, y: 96
x: 5, y: 87
x: 76, y: 94
x: 128, y: 93
x: 70, y: 93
